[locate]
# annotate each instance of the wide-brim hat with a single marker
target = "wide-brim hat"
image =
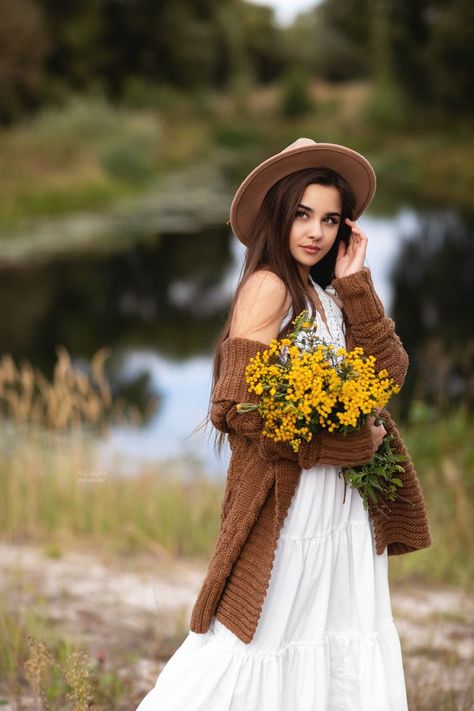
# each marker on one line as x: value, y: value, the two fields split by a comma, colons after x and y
x: 302, y: 153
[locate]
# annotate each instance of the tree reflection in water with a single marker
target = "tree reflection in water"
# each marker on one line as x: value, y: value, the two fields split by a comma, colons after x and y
x: 432, y: 307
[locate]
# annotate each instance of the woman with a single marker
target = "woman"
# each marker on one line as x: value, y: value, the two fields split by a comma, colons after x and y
x: 294, y: 613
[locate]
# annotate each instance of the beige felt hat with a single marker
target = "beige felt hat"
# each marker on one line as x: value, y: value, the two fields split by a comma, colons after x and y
x: 302, y: 153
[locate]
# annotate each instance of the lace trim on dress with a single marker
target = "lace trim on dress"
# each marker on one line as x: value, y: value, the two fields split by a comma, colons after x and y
x: 336, y: 326
x: 336, y: 332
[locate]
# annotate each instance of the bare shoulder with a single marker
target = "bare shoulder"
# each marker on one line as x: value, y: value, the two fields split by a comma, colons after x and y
x: 264, y: 282
x: 262, y: 302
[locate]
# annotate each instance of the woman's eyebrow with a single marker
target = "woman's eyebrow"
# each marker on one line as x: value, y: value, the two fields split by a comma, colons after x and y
x: 310, y: 209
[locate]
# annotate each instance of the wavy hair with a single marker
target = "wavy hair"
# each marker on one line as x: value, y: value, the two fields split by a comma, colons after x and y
x: 269, y: 247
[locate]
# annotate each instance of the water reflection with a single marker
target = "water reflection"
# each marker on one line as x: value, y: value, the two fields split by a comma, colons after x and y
x: 433, y: 294
x: 160, y: 303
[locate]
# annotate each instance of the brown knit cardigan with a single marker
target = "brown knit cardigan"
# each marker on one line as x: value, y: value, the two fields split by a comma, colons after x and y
x: 263, y: 475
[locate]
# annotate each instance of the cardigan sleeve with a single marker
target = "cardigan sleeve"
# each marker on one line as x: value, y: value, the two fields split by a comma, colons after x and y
x: 369, y: 325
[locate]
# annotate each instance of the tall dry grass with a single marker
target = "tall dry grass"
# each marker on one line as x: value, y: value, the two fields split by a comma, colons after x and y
x: 53, y: 487
x: 73, y: 397
x: 442, y: 448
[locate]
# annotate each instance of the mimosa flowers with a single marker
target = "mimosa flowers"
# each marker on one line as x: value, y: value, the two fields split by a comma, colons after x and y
x: 306, y: 384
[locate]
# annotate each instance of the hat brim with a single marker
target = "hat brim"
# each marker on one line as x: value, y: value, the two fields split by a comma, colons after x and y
x: 348, y: 163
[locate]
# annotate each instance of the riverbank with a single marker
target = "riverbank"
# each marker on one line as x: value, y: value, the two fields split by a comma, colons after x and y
x: 90, y: 156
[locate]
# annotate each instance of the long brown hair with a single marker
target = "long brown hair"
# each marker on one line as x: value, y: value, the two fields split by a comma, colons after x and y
x: 269, y: 247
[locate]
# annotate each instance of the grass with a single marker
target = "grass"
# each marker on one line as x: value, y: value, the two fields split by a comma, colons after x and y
x: 38, y: 665
x: 36, y: 662
x: 87, y: 155
x: 442, y: 448
x: 52, y: 490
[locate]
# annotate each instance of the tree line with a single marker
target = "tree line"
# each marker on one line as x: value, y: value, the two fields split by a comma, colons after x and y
x: 50, y: 48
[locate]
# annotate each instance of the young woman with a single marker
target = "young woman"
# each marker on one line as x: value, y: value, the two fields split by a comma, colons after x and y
x: 294, y: 613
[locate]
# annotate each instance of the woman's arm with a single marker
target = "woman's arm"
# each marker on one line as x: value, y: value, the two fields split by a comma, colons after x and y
x: 370, y: 327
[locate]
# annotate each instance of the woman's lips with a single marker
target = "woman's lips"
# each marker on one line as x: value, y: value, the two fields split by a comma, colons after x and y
x: 311, y: 250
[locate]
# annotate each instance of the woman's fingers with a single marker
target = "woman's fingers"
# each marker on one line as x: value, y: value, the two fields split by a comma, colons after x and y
x: 356, y: 233
x: 378, y: 431
x: 350, y: 258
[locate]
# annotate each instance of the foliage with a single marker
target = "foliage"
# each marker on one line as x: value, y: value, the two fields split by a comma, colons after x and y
x: 432, y: 278
x: 129, y: 160
x: 378, y: 479
x: 75, y: 673
x: 127, y: 51
x: 306, y: 385
x: 23, y: 48
x: 296, y: 100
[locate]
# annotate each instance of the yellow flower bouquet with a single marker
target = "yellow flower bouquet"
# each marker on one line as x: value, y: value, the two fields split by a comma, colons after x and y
x: 306, y: 385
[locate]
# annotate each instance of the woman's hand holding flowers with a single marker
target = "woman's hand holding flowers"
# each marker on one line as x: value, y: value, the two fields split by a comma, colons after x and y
x: 378, y: 431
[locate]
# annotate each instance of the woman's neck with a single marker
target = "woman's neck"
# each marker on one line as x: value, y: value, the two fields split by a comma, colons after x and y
x: 304, y: 271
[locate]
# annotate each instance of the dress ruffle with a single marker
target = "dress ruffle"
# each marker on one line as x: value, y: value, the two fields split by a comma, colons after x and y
x: 340, y: 671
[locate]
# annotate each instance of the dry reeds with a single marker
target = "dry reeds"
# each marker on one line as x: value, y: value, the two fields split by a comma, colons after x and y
x: 75, y: 671
x: 71, y: 399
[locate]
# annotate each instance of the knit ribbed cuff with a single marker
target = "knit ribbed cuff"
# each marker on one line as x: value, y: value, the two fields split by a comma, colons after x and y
x: 344, y: 450
x: 360, y: 301
x: 273, y: 451
x: 205, y: 606
x: 336, y: 448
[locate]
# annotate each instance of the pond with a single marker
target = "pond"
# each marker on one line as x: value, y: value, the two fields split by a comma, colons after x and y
x: 160, y: 300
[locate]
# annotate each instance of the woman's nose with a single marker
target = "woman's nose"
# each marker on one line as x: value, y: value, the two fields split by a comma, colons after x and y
x: 316, y: 232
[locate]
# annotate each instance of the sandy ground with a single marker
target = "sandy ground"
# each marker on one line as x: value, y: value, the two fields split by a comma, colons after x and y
x: 132, y: 613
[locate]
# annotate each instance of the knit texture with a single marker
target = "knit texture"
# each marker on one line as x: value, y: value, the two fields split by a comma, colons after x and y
x: 263, y: 475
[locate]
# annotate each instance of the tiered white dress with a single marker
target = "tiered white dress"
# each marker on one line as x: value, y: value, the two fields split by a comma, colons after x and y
x: 326, y: 639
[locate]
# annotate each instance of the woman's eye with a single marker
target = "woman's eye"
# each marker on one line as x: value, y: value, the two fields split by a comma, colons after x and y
x: 331, y: 220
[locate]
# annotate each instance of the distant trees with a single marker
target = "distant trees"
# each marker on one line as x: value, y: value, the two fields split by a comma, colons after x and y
x: 431, y: 279
x: 48, y: 48
x: 24, y: 46
x: 426, y: 46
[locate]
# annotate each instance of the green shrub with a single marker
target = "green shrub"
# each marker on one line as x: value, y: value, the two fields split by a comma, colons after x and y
x: 296, y: 100
x: 129, y: 159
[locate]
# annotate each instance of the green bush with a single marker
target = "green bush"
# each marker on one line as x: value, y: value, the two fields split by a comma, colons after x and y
x: 386, y: 108
x: 232, y: 135
x: 296, y: 100
x: 129, y: 159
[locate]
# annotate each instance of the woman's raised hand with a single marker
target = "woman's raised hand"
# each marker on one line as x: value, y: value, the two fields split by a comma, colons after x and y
x: 351, y: 259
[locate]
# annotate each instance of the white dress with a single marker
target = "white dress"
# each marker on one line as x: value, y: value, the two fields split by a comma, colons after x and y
x: 326, y: 639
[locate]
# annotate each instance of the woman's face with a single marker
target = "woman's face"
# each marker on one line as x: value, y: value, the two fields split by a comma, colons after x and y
x: 315, y: 225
